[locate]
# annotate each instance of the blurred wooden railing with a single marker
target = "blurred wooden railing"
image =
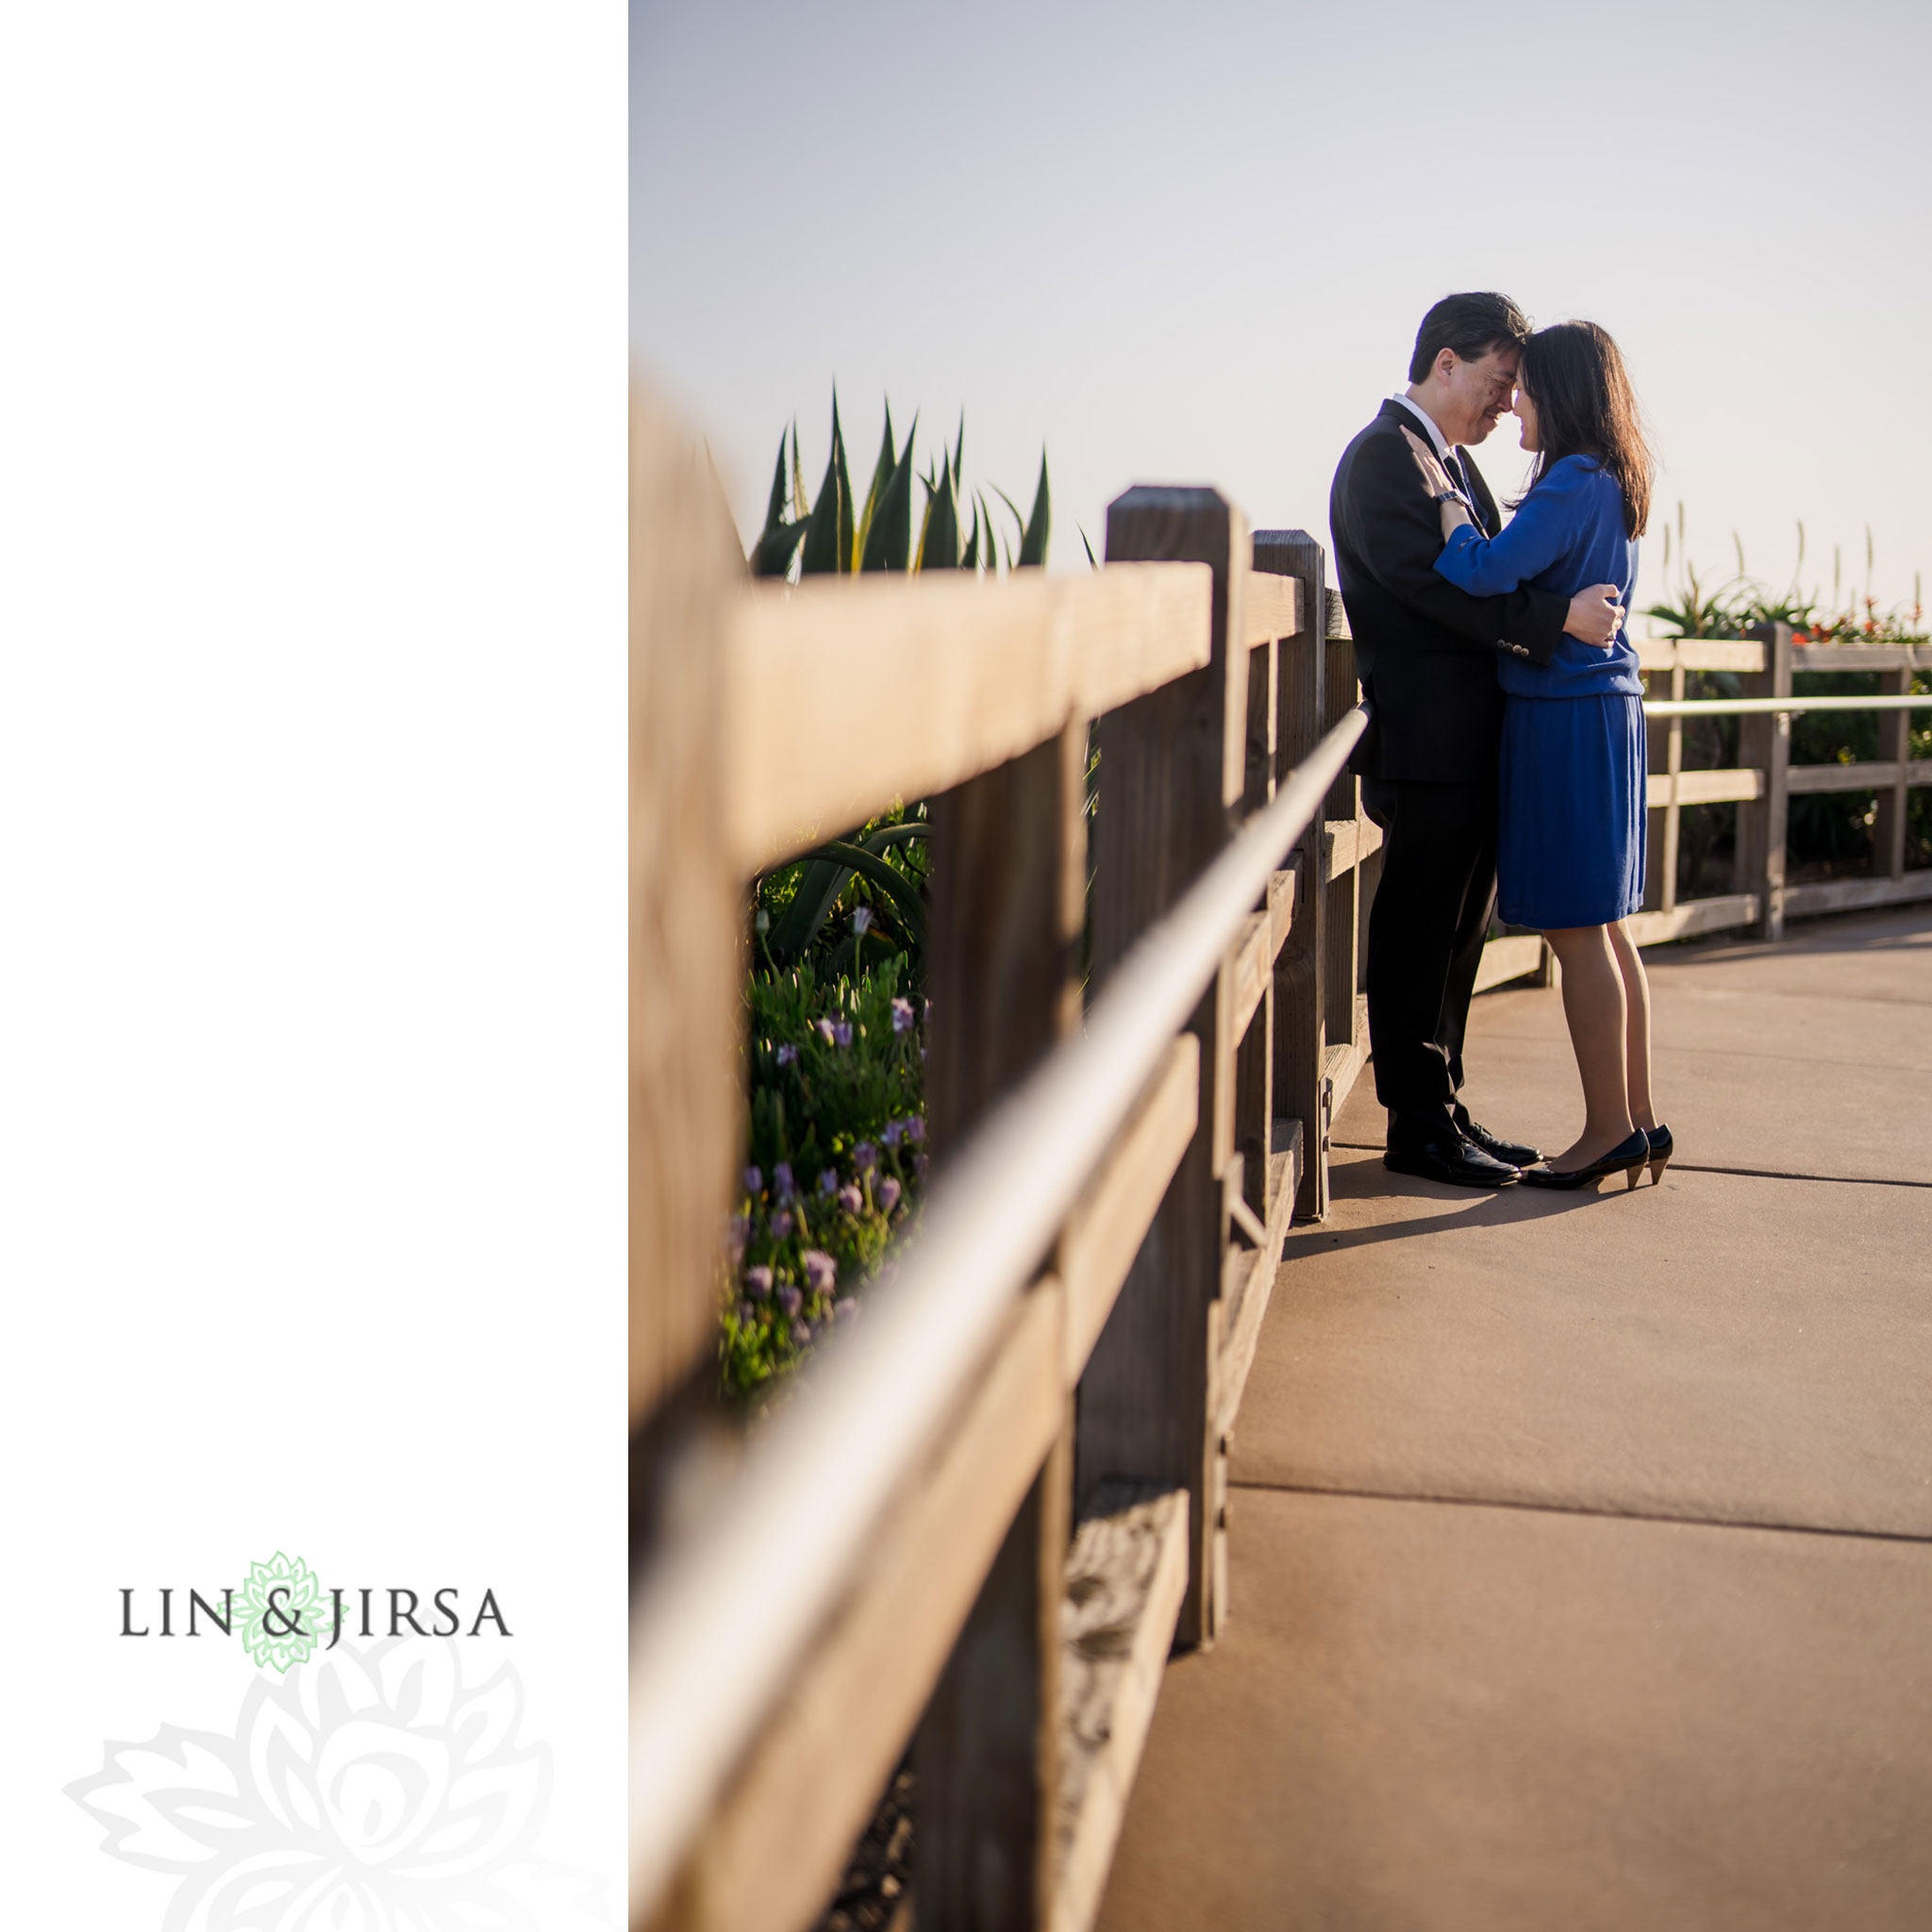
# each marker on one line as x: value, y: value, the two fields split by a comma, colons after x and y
x: 1762, y: 787
x: 1027, y: 1437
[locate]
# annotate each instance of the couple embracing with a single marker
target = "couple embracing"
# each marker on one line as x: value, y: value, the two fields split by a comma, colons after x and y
x: 1505, y: 755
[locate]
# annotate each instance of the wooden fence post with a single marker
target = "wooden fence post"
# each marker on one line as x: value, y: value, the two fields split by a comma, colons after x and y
x: 1172, y: 764
x: 1764, y: 742
x: 686, y: 916
x: 1341, y: 920
x: 1008, y: 900
x: 1301, y: 1035
x: 1894, y: 802
x: 1665, y: 737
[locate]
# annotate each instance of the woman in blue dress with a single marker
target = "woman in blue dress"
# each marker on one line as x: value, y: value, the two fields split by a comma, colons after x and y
x: 1571, y: 783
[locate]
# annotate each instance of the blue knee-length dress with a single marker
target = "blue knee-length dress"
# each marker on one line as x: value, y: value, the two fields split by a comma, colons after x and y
x: 1571, y: 783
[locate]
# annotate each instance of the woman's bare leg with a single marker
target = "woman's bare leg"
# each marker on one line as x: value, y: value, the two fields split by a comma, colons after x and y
x: 1596, y: 1007
x: 1637, y: 1034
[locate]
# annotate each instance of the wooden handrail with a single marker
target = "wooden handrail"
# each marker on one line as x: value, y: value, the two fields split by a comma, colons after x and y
x: 728, y: 1608
x: 845, y: 694
x: 1783, y: 707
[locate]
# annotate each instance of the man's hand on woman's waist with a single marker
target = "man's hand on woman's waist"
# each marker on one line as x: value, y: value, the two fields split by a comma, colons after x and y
x: 1595, y: 617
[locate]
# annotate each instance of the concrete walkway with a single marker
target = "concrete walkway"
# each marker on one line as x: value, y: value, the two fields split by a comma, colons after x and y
x: 1582, y: 1545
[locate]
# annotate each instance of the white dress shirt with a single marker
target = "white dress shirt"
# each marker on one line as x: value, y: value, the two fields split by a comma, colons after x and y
x: 1427, y: 421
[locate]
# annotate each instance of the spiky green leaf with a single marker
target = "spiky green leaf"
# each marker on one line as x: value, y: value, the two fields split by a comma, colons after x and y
x: 774, y: 510
x: 846, y: 507
x: 881, y: 475
x: 1038, y: 526
x: 938, y: 536
x: 771, y: 555
x: 889, y: 542
x: 827, y: 539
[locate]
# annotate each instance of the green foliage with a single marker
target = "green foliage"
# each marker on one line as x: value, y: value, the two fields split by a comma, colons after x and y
x: 836, y: 1059
x: 1693, y: 607
x: 850, y: 903
x: 830, y: 538
x: 837, y: 1162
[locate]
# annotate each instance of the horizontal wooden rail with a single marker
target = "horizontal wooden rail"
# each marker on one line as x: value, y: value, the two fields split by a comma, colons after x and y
x: 844, y: 694
x: 1515, y: 956
x: 1856, y: 895
x: 1716, y: 787
x: 1866, y: 776
x: 1271, y: 608
x: 1699, y: 654
x: 1693, y: 916
x: 1746, y: 654
x: 1258, y: 946
x: 728, y: 1608
x: 1347, y: 842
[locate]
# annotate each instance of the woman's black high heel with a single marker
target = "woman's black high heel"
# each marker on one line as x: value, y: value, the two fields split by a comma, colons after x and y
x: 1628, y: 1156
x: 1661, y: 1148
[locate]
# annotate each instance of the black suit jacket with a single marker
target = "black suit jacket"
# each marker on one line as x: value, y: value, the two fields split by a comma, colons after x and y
x: 1426, y: 651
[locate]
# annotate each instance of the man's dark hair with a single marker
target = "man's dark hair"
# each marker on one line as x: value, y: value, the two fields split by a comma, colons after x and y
x: 1470, y: 324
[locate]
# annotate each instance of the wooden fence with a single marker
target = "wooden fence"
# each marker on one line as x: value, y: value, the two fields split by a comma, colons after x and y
x: 1003, y: 1499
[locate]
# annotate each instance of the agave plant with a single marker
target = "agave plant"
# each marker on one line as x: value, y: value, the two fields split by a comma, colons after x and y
x: 829, y: 536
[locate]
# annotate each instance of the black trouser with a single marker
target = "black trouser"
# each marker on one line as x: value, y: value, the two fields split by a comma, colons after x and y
x: 1426, y: 928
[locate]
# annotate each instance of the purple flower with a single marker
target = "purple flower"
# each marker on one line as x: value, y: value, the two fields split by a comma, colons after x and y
x: 744, y: 1312
x: 737, y: 1232
x: 920, y: 1163
x: 820, y: 1271
x: 824, y: 1030
x: 781, y: 1179
x: 902, y: 1016
x: 788, y: 1299
x: 888, y: 1193
x: 846, y: 1310
x: 850, y: 1198
x: 861, y: 920
x: 753, y: 1179
x: 788, y: 1055
x: 800, y: 1333
x: 781, y: 1224
x: 828, y: 1182
x: 915, y: 1127
x: 759, y: 1281
x: 891, y: 1137
x: 865, y: 1156
x: 841, y: 1033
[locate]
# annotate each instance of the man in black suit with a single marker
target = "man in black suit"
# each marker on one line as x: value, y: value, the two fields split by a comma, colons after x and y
x: 1426, y: 653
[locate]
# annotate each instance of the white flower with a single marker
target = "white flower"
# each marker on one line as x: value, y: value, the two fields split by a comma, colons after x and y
x: 371, y: 1791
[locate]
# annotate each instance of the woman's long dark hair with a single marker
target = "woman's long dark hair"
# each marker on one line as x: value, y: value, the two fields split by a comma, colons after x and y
x: 1585, y: 407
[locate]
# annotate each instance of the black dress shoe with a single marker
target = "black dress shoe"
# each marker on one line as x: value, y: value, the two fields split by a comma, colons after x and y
x: 1514, y: 1152
x: 1450, y: 1159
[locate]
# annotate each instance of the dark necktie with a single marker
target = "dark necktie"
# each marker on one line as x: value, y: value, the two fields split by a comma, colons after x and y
x: 1460, y: 476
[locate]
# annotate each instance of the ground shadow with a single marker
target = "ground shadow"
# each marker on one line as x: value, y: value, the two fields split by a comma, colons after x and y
x: 1369, y: 1181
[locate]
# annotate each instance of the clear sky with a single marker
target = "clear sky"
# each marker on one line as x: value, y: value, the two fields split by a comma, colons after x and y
x: 1192, y: 244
